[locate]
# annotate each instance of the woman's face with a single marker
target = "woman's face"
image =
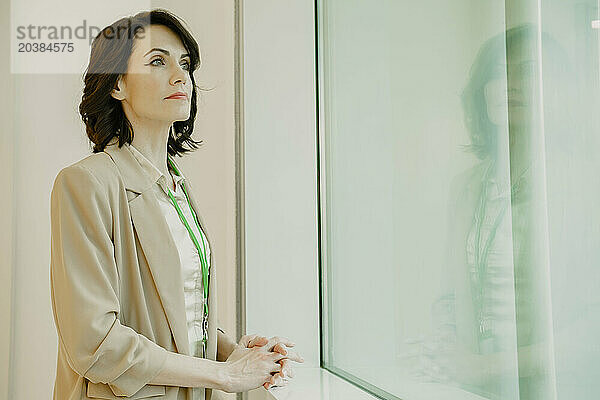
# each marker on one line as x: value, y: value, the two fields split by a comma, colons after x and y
x: 509, y: 94
x: 158, y: 67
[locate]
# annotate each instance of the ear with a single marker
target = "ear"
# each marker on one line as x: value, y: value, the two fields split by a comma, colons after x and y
x: 118, y: 91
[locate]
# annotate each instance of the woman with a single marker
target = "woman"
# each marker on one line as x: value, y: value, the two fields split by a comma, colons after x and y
x: 131, y: 267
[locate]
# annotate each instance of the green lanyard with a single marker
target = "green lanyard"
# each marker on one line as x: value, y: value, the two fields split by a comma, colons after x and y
x: 201, y: 253
x: 481, y: 256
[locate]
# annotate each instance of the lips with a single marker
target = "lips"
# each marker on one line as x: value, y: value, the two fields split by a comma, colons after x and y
x: 177, y: 95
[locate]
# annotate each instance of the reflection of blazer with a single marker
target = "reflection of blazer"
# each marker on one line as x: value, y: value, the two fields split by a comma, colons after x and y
x: 116, y: 286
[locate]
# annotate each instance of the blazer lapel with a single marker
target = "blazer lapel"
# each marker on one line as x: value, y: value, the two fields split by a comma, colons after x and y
x: 156, y: 242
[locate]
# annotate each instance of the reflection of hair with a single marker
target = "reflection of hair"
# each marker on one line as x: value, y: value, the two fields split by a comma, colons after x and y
x: 482, y: 131
x: 103, y: 114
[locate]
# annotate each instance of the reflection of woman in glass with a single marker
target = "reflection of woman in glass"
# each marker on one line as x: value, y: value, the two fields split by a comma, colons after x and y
x: 498, y: 187
x: 492, y: 266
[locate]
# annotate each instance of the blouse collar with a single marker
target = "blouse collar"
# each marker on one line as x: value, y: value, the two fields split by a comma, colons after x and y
x: 154, y: 173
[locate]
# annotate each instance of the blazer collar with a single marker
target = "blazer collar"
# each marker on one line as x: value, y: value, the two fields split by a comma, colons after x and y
x: 153, y: 172
x: 138, y: 177
x: 138, y: 173
x: 155, y: 237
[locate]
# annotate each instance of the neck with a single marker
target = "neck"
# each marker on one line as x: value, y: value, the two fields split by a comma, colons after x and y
x: 513, y: 151
x: 152, y: 143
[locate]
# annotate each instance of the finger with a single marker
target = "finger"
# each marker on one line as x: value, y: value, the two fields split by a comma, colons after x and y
x: 279, y: 339
x: 280, y: 348
x: 267, y: 384
x: 282, y: 373
x: 285, y: 363
x: 286, y: 369
x: 258, y: 341
x: 276, y: 368
x: 281, y: 381
x: 244, y: 340
x: 292, y: 355
x: 275, y: 381
x: 279, y: 375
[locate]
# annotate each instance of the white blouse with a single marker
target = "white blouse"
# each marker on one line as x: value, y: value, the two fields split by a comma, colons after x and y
x: 188, y: 254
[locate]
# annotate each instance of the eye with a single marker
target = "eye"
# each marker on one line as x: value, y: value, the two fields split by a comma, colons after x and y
x: 157, y: 59
x: 187, y: 64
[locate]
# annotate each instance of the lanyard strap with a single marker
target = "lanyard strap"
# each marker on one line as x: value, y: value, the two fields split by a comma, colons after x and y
x: 201, y: 252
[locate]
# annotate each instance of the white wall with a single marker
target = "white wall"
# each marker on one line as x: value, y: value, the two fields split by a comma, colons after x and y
x: 279, y: 102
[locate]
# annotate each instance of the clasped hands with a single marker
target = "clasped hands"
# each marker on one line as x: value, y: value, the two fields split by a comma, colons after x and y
x: 277, y: 344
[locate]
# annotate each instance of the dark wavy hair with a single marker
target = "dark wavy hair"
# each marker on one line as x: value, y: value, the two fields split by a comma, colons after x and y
x: 111, y: 49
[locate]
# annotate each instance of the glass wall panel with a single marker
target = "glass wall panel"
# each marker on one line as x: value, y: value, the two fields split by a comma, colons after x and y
x: 460, y: 234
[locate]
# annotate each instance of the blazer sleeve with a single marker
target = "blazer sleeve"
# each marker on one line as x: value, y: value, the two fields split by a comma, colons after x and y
x: 85, y: 288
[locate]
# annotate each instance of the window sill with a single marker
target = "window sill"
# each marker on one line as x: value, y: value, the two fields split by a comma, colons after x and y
x: 314, y: 383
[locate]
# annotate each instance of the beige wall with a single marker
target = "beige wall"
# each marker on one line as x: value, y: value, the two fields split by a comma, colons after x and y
x: 48, y: 135
x: 6, y: 206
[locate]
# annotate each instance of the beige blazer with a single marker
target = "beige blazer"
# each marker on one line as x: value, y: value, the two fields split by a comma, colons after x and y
x: 116, y: 286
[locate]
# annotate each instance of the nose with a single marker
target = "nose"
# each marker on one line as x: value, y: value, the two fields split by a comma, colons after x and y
x: 179, y: 75
x: 513, y: 89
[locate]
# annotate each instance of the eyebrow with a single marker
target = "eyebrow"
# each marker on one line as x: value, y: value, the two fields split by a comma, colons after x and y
x: 164, y: 51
